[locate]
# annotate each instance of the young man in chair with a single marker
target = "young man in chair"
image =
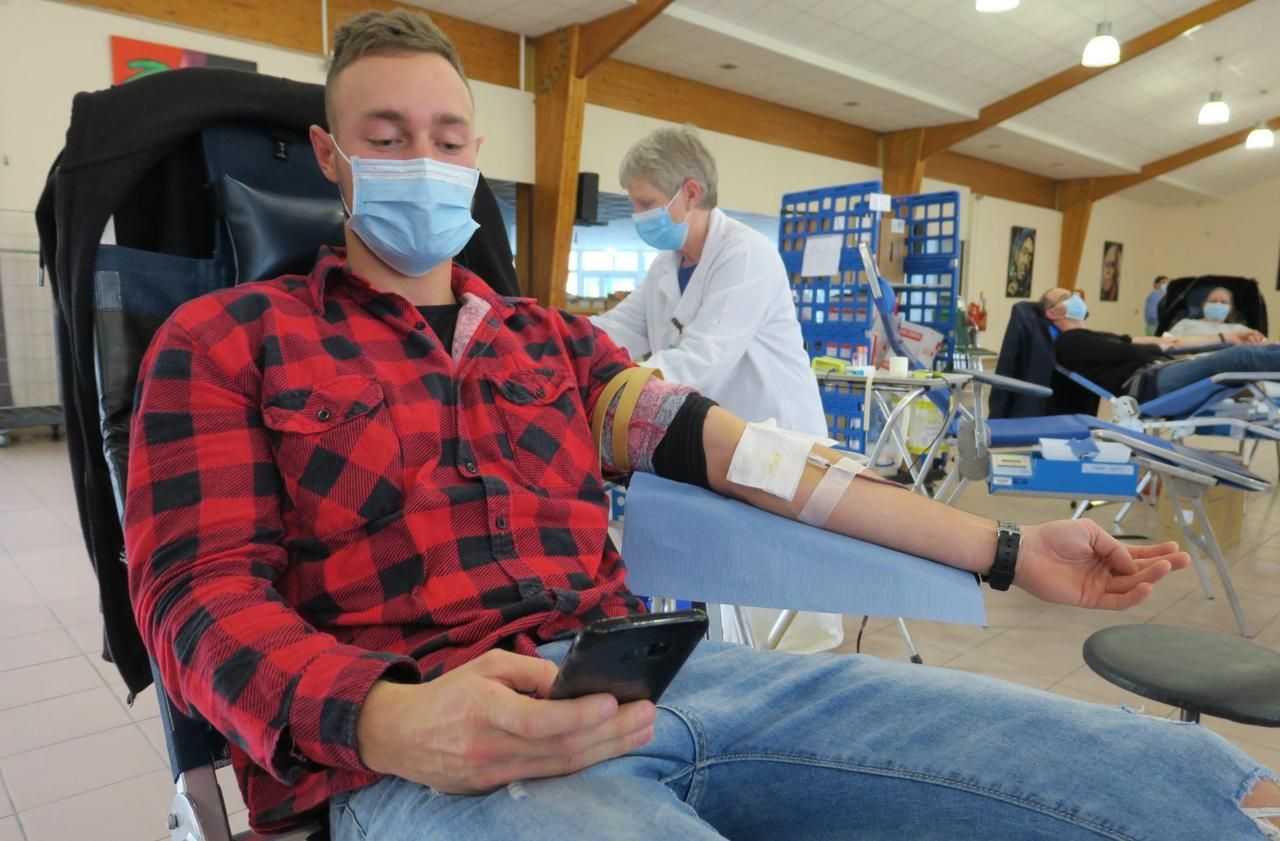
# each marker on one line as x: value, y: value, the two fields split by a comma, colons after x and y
x: 365, y: 510
x: 1110, y: 359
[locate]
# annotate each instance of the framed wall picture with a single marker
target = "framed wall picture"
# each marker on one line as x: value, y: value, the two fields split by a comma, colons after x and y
x: 132, y: 59
x: 1112, y: 256
x: 1022, y: 258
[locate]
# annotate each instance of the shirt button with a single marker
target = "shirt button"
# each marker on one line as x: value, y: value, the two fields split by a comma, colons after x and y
x: 323, y: 415
x: 501, y: 523
x: 421, y: 325
x: 469, y: 466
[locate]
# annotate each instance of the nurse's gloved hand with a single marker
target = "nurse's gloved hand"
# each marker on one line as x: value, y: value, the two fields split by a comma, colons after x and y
x: 1075, y: 562
x: 477, y: 728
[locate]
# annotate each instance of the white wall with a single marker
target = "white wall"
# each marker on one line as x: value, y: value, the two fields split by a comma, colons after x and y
x: 1237, y: 236
x: 990, y: 224
x: 1134, y: 224
x: 58, y: 49
x: 50, y: 51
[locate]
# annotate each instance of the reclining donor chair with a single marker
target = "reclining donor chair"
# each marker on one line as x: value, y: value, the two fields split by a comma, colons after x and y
x: 219, y: 188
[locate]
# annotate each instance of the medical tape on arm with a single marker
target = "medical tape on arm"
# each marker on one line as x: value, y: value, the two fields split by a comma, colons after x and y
x: 771, y: 459
x: 630, y: 383
x: 830, y: 489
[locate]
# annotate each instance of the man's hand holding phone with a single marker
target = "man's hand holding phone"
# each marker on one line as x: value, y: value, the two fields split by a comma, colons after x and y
x: 477, y: 728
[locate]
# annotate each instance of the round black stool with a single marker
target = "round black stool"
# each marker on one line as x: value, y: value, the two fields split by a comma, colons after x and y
x: 1197, y: 671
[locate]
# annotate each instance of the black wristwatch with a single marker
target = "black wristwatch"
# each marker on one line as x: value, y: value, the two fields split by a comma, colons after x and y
x: 1008, y: 541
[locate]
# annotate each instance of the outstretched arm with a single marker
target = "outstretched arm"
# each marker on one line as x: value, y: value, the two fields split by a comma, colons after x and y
x: 1067, y: 562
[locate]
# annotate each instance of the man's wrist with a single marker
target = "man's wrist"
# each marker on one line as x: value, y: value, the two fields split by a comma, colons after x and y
x: 375, y: 725
x: 1000, y: 574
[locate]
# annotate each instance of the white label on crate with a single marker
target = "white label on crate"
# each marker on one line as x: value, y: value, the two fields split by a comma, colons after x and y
x: 897, y: 226
x: 880, y: 202
x: 1001, y: 480
x: 1108, y: 469
x: 1010, y: 464
x: 821, y: 256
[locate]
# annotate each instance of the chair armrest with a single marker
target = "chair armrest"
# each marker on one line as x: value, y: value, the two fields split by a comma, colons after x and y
x: 1008, y: 383
x: 1246, y: 377
x: 685, y: 542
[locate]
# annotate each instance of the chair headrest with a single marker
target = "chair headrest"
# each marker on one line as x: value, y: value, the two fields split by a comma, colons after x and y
x: 272, y: 234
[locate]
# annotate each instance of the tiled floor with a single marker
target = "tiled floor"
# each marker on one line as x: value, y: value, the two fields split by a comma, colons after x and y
x: 76, y: 762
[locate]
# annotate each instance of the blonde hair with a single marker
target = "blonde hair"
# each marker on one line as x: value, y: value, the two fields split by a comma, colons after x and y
x: 386, y: 33
x: 666, y: 157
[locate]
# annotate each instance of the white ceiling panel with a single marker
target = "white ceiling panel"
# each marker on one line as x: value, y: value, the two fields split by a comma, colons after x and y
x: 821, y: 86
x: 529, y: 17
x: 1235, y: 169
x: 925, y: 62
x: 1161, y: 192
x: 1006, y: 146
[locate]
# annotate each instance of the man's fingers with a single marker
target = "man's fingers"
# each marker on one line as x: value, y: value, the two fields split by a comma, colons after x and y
x: 568, y: 763
x: 1155, y: 550
x: 1150, y: 574
x: 531, y: 718
x: 521, y: 673
x: 1124, y: 601
x: 1113, y: 552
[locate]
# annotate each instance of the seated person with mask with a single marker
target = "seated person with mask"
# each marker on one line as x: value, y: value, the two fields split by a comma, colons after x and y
x: 357, y: 546
x: 1220, y: 321
x: 1111, y: 359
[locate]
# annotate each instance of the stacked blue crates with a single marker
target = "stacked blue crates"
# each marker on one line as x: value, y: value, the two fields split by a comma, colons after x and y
x: 930, y: 287
x: 835, y: 311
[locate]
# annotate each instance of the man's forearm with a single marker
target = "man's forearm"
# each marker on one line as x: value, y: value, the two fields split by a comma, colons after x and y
x: 875, y: 511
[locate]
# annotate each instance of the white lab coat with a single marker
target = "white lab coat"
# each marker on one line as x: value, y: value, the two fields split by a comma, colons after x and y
x: 738, y: 342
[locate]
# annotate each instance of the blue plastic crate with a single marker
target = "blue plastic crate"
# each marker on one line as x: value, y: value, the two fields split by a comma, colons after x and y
x: 834, y: 311
x: 931, y: 268
x: 843, y: 406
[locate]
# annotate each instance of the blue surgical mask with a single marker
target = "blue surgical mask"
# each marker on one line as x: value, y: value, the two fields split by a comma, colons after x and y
x: 659, y: 230
x: 1077, y: 309
x: 412, y: 214
x: 1217, y: 311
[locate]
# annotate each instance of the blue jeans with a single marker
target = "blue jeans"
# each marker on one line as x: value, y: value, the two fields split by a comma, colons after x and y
x: 1245, y: 358
x: 764, y: 745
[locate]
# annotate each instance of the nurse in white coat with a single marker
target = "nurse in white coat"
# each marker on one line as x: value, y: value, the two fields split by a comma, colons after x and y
x: 715, y: 312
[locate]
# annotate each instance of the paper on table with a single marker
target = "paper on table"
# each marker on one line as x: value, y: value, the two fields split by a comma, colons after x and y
x: 688, y: 543
x: 821, y: 256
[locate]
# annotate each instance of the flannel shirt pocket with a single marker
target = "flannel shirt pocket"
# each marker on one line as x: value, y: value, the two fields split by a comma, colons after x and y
x: 337, y: 452
x: 541, y: 412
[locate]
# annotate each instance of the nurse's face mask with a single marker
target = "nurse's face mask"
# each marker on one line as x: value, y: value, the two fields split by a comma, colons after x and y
x: 659, y: 230
x: 412, y: 214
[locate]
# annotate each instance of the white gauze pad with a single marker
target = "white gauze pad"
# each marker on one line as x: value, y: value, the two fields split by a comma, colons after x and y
x: 771, y: 459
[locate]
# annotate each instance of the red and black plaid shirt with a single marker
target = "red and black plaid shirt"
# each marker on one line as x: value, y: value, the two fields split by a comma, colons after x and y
x: 319, y: 497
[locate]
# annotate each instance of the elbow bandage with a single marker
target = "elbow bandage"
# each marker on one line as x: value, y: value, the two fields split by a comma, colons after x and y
x: 772, y: 460
x: 626, y: 387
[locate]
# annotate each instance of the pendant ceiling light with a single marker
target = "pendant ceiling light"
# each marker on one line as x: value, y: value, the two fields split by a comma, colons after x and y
x: 996, y: 6
x: 1103, y: 50
x: 1215, y: 112
x: 1261, y: 137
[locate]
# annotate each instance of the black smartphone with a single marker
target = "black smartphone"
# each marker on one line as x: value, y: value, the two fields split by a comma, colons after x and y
x: 632, y: 658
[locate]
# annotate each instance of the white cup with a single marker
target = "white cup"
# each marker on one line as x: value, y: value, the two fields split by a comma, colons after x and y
x: 897, y: 366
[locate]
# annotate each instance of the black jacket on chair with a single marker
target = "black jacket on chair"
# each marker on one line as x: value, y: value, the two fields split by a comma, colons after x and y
x: 133, y: 155
x: 1027, y: 353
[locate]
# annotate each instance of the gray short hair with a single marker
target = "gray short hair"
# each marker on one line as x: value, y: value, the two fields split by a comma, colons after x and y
x: 666, y: 157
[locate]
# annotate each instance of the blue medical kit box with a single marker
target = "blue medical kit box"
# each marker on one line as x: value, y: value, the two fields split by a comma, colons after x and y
x: 1032, y: 473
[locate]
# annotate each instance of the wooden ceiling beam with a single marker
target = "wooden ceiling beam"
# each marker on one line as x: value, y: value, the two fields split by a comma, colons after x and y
x: 1112, y: 184
x: 603, y: 35
x: 938, y: 138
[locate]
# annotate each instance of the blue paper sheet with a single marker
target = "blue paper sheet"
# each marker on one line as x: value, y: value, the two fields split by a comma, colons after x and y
x: 684, y: 542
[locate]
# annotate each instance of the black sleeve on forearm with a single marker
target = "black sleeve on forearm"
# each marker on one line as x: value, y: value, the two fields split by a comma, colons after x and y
x: 680, y: 455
